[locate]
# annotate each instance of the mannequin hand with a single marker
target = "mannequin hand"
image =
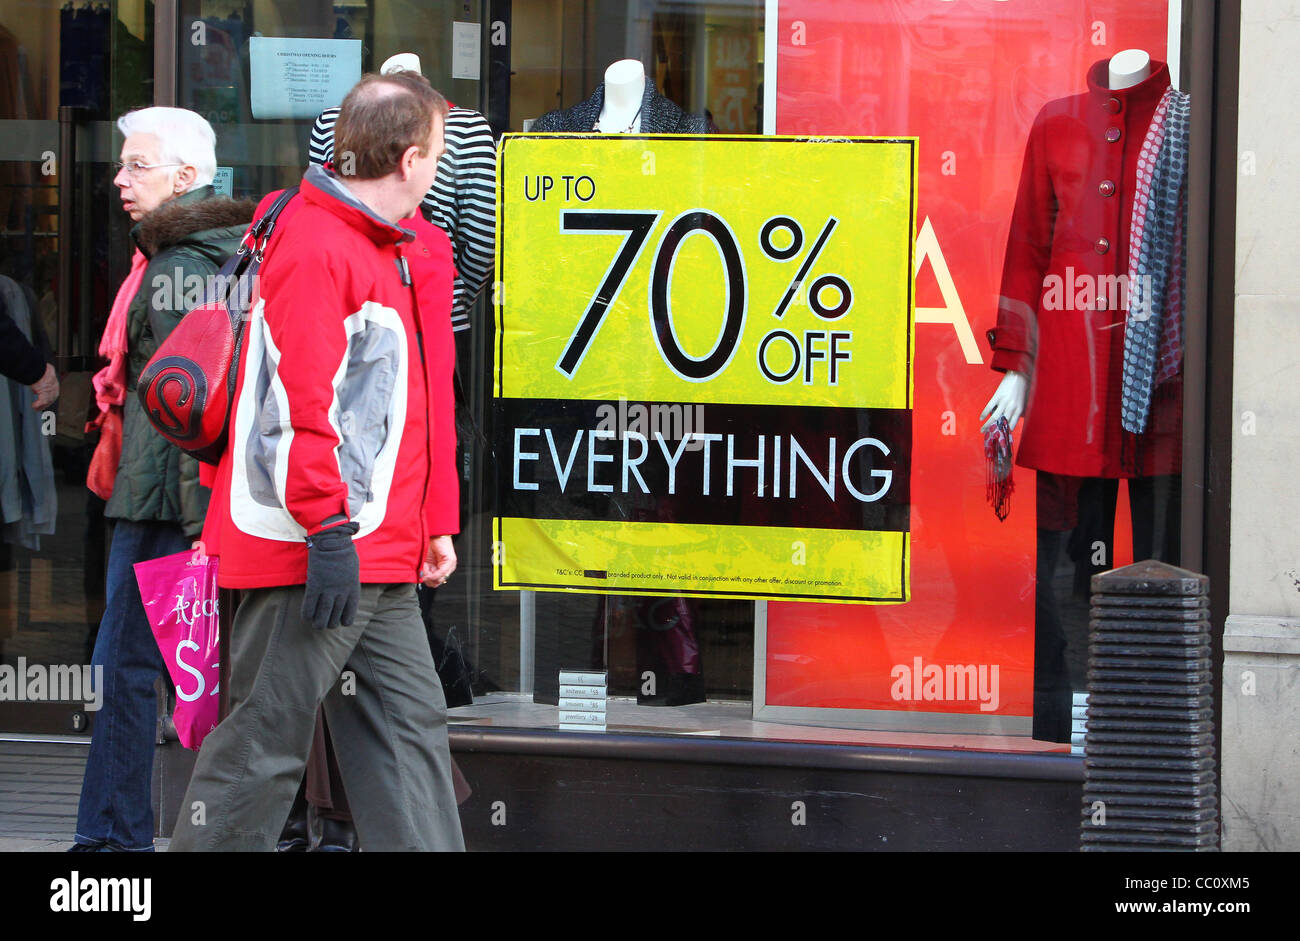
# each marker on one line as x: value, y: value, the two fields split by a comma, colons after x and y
x: 46, y: 388
x: 1008, y: 401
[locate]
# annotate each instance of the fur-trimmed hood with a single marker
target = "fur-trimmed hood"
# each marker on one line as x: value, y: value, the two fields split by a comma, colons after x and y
x: 194, y: 213
x: 187, y: 240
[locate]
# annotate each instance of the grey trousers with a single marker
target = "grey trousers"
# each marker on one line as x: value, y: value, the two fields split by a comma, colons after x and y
x: 386, y: 713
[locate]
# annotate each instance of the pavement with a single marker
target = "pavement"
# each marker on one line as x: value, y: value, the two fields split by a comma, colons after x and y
x: 39, y: 786
x: 40, y: 783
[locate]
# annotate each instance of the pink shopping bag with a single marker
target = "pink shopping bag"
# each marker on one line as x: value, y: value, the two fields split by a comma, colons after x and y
x: 179, y: 593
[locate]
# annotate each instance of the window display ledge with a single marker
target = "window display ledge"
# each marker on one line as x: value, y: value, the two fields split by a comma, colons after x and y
x: 723, y: 733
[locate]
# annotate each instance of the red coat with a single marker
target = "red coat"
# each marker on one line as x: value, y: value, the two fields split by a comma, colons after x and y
x: 1062, y: 311
x: 344, y: 399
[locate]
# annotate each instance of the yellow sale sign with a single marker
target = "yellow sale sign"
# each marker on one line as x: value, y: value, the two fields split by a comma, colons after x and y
x: 703, y: 362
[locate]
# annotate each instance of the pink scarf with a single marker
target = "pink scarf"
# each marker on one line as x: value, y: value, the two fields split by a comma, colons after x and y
x: 110, y: 384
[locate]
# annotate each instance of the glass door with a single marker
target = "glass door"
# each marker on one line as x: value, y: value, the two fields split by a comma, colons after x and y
x: 66, y: 71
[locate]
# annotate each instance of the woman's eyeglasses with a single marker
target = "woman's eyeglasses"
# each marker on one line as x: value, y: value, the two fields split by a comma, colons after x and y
x: 135, y: 169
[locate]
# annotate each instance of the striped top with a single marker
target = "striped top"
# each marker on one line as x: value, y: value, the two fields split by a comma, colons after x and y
x: 461, y: 202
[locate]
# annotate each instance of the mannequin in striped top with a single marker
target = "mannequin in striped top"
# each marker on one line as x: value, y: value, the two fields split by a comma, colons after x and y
x: 462, y: 200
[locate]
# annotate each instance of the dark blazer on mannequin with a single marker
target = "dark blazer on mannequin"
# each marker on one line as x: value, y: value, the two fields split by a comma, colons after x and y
x: 659, y: 115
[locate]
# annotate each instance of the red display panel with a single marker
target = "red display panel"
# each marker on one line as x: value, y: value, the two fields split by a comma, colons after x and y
x: 967, y: 77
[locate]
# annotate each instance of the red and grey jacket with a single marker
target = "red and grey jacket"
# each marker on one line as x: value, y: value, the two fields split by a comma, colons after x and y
x: 343, y: 407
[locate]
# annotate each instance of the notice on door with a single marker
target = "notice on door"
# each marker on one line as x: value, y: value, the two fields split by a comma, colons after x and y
x: 465, y: 50
x: 704, y: 365
x: 300, y: 78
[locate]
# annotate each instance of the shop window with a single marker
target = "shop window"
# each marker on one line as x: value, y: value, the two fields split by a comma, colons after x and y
x: 1023, y: 183
x: 1023, y: 257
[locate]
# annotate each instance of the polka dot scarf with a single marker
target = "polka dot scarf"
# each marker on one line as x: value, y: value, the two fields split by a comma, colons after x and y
x: 1153, y: 332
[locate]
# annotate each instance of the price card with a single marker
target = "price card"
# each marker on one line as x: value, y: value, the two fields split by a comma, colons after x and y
x: 703, y: 365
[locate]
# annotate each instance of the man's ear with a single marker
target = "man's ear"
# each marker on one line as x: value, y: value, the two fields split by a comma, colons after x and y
x: 407, y: 163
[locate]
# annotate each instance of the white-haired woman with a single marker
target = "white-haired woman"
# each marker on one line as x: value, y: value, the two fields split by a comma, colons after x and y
x: 184, y: 232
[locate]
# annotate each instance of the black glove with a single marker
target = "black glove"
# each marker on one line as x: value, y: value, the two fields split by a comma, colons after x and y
x: 333, y: 578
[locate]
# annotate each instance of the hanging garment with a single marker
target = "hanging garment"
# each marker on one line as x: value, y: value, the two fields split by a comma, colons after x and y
x: 28, y: 500
x: 1153, y: 334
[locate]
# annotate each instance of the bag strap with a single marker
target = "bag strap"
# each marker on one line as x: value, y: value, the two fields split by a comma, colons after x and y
x: 259, y: 233
x: 263, y: 226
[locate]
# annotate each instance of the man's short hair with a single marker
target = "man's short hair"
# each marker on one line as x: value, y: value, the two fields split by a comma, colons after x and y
x: 381, y: 117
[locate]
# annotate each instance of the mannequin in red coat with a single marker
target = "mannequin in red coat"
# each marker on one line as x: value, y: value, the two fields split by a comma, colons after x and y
x: 1059, y: 341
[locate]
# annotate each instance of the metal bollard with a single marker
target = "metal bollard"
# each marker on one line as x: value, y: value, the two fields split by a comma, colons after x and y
x: 1149, y: 752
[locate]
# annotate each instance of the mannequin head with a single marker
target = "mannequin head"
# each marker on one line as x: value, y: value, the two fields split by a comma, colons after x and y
x: 625, y: 71
x: 1128, y: 68
x: 402, y: 62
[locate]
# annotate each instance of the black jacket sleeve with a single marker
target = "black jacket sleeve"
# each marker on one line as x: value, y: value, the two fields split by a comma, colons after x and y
x: 19, y: 360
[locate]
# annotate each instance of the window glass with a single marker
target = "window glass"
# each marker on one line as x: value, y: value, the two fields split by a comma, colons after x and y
x: 69, y: 70
x: 1031, y: 125
x: 1028, y: 182
x: 705, y: 58
x: 1033, y: 233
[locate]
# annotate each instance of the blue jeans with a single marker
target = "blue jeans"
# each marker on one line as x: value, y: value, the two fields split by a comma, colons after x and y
x: 116, y: 804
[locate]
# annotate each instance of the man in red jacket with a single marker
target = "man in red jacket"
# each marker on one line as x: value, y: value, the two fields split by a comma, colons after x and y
x: 337, y: 494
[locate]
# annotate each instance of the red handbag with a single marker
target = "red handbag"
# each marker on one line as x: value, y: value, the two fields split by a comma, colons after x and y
x: 188, y: 387
x: 102, y: 473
